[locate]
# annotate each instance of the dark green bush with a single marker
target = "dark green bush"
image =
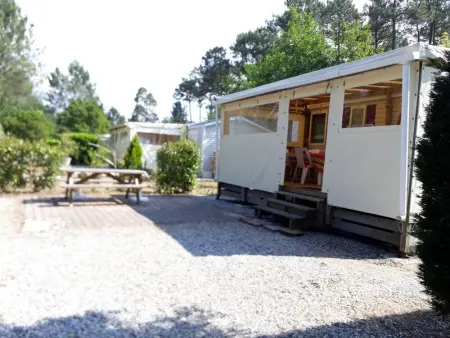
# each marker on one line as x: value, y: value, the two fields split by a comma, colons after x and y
x: 433, y: 170
x: 24, y: 163
x: 83, y: 152
x: 27, y: 125
x: 133, y: 156
x: 178, y: 165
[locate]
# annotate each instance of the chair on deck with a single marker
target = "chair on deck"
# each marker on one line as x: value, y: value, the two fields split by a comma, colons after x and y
x: 299, y: 154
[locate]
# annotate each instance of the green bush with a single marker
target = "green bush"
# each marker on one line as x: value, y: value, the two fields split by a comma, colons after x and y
x: 28, y: 125
x: 24, y: 163
x: 83, y: 153
x: 133, y: 156
x: 178, y: 165
x: 433, y: 170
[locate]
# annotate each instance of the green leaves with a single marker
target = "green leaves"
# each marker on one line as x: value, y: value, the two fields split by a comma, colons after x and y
x: 178, y: 166
x: 28, y: 125
x: 24, y: 163
x: 133, y: 155
x: 302, y: 48
x: 83, y: 117
x: 64, y: 89
x: 144, y: 111
x: 433, y: 171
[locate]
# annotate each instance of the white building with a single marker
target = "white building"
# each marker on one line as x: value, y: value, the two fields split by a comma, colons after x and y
x: 151, y: 136
x: 357, y: 122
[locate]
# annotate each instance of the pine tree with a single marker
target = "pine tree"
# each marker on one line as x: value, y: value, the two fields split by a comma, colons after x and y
x: 433, y: 170
x: 133, y: 156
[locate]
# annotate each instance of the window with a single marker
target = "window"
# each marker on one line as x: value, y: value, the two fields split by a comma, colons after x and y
x: 317, y: 135
x: 255, y: 120
x: 373, y: 105
x: 293, y: 131
x: 357, y: 116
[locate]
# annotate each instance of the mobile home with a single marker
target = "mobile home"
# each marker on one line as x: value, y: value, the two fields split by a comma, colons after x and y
x: 342, y: 138
x: 151, y: 137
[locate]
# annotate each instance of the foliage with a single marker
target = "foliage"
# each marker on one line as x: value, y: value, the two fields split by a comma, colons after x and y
x: 133, y: 155
x: 114, y: 117
x: 24, y: 163
x: 187, y: 91
x: 84, y: 151
x: 17, y: 66
x: 2, y: 132
x: 178, y: 113
x: 28, y: 125
x: 252, y: 47
x: 144, y: 110
x: 74, y: 86
x: 83, y: 117
x: 178, y: 165
x: 302, y: 49
x: 445, y: 40
x: 433, y: 170
x: 354, y: 41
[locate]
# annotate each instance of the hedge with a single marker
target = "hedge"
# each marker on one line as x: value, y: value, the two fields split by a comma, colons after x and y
x: 24, y: 163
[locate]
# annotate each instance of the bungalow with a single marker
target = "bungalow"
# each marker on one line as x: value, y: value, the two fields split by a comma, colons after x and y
x: 335, y: 147
x: 151, y: 137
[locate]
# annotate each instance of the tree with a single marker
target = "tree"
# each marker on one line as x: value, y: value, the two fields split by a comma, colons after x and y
x: 251, y: 47
x: 28, y: 125
x: 433, y: 170
x: 427, y: 20
x: 445, y: 40
x: 83, y: 117
x: 355, y: 42
x: 302, y: 49
x: 133, y: 155
x: 395, y: 13
x: 376, y: 13
x: 178, y: 113
x: 315, y: 8
x: 114, y: 117
x: 144, y: 110
x: 214, y: 70
x: 64, y: 89
x: 337, y: 14
x: 16, y: 56
x: 187, y: 91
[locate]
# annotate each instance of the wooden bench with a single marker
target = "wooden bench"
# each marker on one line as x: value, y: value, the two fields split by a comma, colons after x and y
x: 70, y: 187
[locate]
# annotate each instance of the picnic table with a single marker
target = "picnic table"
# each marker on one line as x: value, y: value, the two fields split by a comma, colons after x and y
x: 130, y: 179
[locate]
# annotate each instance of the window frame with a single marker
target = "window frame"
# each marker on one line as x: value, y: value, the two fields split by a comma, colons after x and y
x: 364, y: 108
x: 320, y: 112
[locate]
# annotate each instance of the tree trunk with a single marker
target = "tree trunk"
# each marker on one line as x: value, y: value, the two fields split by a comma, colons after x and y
x: 394, y: 28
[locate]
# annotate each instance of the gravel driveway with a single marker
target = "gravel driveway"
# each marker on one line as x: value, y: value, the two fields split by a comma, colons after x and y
x: 188, y: 267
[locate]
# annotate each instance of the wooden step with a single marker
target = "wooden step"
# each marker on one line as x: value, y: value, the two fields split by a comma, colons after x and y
x: 284, y: 231
x: 299, y: 207
x: 279, y: 212
x: 300, y: 196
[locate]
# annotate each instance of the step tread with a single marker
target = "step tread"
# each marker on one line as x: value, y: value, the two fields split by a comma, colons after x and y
x: 291, y: 205
x: 300, y: 196
x: 284, y: 230
x: 279, y: 212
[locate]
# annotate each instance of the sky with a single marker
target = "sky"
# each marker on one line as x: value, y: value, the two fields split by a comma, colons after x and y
x: 139, y: 43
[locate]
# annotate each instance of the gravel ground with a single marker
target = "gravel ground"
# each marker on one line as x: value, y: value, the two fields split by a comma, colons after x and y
x: 188, y: 267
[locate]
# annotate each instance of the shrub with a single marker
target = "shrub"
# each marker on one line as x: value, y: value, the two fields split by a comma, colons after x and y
x: 433, y: 170
x: 83, y: 153
x: 178, y: 165
x: 24, y: 163
x: 133, y: 155
x: 28, y: 125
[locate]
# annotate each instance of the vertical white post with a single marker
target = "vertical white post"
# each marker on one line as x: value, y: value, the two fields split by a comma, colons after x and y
x: 404, y: 148
x: 218, y: 130
x: 282, y: 135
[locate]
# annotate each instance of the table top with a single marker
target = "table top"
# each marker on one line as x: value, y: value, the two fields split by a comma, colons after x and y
x: 75, y: 169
